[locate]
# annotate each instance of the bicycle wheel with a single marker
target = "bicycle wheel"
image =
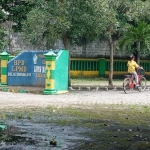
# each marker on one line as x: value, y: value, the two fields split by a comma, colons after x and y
x: 126, y: 87
x: 142, y: 83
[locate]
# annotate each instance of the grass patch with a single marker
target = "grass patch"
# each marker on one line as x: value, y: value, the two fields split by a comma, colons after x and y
x: 107, y: 126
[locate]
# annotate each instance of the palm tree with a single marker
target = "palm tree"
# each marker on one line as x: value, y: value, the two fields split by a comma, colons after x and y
x: 139, y: 35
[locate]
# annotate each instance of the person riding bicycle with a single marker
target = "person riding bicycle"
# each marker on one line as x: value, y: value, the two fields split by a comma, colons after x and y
x: 132, y: 65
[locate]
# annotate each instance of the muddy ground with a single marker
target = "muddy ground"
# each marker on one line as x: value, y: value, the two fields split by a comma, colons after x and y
x: 77, y: 120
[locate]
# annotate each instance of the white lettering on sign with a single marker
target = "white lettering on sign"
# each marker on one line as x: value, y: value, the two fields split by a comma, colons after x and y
x: 39, y: 69
x: 19, y: 74
x: 43, y: 69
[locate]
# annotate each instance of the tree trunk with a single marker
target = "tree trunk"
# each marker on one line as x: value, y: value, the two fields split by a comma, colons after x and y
x: 10, y: 44
x: 65, y: 42
x: 49, y: 45
x: 66, y: 45
x: 111, y: 62
x: 138, y: 53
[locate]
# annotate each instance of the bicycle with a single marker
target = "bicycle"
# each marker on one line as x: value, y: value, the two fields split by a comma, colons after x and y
x: 129, y: 83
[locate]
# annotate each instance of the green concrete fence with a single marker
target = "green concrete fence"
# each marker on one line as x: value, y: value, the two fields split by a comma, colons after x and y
x: 100, y: 67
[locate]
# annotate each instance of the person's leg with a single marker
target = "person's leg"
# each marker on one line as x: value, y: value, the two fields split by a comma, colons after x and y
x: 136, y: 77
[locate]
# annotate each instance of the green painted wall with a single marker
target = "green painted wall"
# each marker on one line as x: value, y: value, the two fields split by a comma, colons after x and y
x: 61, y: 70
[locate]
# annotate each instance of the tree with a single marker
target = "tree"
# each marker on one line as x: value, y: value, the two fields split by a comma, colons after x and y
x: 67, y: 20
x: 3, y: 32
x: 139, y: 35
x: 121, y: 14
x: 12, y: 13
x: 15, y: 11
x: 63, y: 19
x: 3, y: 40
x: 73, y: 20
x: 139, y: 11
x: 137, y: 14
x: 45, y: 21
x: 112, y: 24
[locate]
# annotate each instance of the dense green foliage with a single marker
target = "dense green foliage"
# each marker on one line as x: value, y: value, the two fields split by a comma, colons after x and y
x: 42, y: 22
x: 68, y: 20
x: 16, y: 11
x: 3, y: 41
x: 3, y: 32
x: 139, y: 35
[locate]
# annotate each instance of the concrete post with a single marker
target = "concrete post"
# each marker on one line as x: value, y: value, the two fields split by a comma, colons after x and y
x: 50, y: 73
x: 102, y: 67
x: 4, y: 60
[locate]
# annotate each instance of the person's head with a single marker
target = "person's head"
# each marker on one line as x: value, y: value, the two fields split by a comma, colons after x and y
x: 132, y: 57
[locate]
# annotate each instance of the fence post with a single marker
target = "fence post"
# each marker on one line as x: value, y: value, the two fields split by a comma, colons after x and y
x: 4, y: 60
x: 50, y: 73
x: 102, y: 67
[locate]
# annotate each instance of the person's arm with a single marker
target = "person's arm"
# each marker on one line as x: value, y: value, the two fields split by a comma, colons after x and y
x: 128, y: 64
x: 138, y: 67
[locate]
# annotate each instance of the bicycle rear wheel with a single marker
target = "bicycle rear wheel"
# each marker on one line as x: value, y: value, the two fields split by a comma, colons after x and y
x: 126, y: 87
x: 142, y: 83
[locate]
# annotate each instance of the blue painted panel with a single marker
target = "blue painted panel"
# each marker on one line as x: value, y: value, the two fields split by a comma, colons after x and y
x: 28, y: 69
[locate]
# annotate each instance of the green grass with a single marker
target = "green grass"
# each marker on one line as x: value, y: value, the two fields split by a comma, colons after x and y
x: 107, y: 126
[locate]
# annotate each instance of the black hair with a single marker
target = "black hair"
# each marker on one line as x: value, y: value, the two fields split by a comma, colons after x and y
x: 132, y: 56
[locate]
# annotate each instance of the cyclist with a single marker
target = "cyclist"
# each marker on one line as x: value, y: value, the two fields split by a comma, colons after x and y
x: 132, y: 65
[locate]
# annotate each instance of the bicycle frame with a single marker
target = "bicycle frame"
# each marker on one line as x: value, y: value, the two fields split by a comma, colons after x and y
x: 129, y: 83
x: 132, y: 84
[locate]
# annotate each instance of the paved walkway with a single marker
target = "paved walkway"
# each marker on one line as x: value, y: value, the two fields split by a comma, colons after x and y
x: 74, y: 99
x: 80, y: 95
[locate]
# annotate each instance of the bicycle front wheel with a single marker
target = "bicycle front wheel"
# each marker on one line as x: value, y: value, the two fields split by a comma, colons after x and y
x: 126, y: 87
x: 142, y: 83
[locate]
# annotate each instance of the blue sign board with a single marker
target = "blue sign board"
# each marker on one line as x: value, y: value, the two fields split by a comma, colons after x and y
x: 27, y: 69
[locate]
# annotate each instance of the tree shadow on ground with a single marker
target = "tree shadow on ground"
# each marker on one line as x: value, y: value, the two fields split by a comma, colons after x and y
x: 107, y: 127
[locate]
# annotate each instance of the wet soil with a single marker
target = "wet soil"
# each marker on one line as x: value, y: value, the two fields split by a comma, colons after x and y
x: 77, y: 120
x: 24, y: 135
x: 106, y: 127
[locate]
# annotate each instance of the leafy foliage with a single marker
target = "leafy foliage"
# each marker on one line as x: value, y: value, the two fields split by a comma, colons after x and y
x: 74, y: 20
x: 2, y: 15
x: 3, y: 40
x: 15, y: 10
x: 60, y: 19
x: 135, y: 34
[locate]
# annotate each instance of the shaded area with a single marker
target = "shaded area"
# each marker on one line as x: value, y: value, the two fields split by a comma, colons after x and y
x: 36, y: 132
x: 116, y: 137
x: 107, y: 127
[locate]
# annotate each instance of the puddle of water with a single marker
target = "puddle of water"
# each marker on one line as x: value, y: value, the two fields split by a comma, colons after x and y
x: 24, y: 135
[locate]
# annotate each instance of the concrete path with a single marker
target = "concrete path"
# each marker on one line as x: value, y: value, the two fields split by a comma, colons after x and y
x: 74, y: 98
